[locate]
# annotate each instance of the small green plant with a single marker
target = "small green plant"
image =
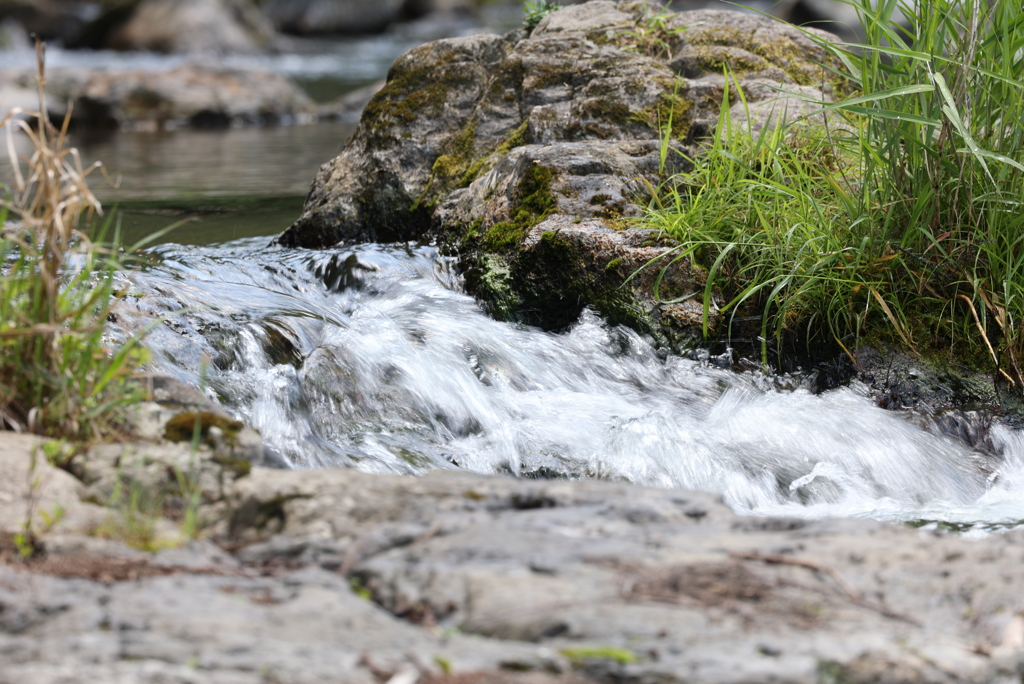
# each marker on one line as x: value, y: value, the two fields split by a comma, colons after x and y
x: 58, y: 373
x: 133, y: 518
x: 26, y: 541
x: 136, y: 509
x: 26, y: 544
x: 654, y: 34
x: 535, y: 11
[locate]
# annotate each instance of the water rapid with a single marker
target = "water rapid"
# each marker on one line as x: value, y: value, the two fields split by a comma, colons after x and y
x: 372, y: 357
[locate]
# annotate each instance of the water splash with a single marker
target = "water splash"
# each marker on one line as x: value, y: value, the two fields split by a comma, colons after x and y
x: 372, y: 357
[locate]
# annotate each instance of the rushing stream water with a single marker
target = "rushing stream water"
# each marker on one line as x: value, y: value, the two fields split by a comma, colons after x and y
x: 372, y: 357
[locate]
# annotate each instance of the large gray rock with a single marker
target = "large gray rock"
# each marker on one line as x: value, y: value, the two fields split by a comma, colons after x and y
x: 491, y: 143
x: 219, y: 26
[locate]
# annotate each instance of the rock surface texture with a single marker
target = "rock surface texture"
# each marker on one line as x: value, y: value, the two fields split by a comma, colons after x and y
x: 338, y: 576
x: 528, y: 153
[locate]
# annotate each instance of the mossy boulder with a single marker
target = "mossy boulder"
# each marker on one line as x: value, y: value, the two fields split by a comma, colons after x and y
x: 527, y: 154
x: 379, y: 187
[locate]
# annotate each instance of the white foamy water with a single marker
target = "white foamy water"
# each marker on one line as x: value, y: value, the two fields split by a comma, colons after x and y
x: 373, y: 358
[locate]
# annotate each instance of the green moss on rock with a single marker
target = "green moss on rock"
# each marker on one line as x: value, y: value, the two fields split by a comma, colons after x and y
x: 182, y: 427
x: 533, y: 203
x: 671, y: 108
x: 579, y: 657
x: 612, y: 111
x: 475, y: 169
x: 504, y: 235
x: 547, y: 76
x: 555, y: 281
x: 407, y: 96
x: 535, y: 191
x: 446, y: 166
x: 516, y: 138
x: 721, y: 35
x: 494, y: 286
x: 456, y: 154
x: 412, y: 93
x: 781, y: 52
x: 715, y: 58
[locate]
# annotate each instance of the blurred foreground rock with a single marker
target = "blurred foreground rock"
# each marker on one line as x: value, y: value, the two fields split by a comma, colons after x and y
x: 339, y: 576
x: 452, y: 578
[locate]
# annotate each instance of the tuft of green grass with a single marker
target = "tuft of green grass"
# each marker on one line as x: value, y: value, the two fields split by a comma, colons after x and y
x: 136, y: 513
x: 133, y: 518
x: 772, y: 219
x: 943, y: 158
x: 654, y: 35
x: 58, y: 374
x: 905, y: 221
x: 535, y: 11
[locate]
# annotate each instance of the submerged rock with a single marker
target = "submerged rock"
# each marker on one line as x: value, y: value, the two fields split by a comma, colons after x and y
x: 218, y: 26
x: 189, y: 95
x: 62, y: 20
x: 312, y: 17
x: 529, y: 153
x: 332, y: 16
